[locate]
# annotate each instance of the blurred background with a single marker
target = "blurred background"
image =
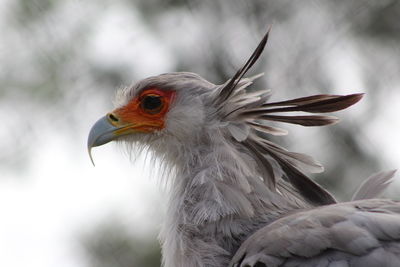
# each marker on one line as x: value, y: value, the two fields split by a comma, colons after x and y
x: 62, y: 61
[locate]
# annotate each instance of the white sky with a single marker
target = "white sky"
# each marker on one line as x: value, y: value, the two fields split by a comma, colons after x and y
x: 43, y: 215
x: 45, y: 209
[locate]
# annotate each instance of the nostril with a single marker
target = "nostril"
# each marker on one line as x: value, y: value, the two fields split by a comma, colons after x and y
x: 112, y: 117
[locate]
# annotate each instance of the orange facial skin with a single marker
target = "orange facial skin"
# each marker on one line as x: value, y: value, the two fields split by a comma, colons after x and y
x: 134, y: 117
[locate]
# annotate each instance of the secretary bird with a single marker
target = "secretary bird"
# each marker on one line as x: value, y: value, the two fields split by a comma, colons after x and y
x: 236, y: 198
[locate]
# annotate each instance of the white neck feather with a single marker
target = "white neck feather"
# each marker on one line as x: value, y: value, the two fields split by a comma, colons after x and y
x: 215, y: 197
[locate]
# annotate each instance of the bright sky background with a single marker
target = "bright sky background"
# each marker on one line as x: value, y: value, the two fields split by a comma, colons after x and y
x: 46, y: 208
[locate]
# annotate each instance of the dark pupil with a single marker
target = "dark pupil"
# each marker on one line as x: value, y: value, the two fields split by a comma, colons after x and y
x: 151, y: 102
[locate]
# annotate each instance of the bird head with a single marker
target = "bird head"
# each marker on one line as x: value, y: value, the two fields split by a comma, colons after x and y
x: 180, y: 106
x: 164, y: 109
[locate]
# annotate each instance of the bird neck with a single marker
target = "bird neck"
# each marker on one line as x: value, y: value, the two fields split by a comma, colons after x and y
x: 218, y: 179
x: 216, y: 194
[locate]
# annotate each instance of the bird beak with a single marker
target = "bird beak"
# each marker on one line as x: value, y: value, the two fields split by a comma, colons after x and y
x: 105, y: 130
x: 101, y: 133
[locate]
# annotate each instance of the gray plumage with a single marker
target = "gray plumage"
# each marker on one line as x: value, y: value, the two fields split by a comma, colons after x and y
x: 237, y: 198
x: 374, y: 185
x: 360, y: 233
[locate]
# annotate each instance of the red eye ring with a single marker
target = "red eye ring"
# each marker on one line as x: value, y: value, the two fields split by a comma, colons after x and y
x: 152, y: 103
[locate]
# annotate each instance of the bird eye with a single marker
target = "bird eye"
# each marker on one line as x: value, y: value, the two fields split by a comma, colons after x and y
x: 152, y: 104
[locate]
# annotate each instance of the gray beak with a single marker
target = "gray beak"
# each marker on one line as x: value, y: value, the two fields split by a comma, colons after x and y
x: 101, y: 133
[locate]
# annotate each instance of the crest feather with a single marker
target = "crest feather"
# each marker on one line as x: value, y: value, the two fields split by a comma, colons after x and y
x: 247, y: 114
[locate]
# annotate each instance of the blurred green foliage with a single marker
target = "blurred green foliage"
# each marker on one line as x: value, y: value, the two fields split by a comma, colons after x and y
x: 114, y: 245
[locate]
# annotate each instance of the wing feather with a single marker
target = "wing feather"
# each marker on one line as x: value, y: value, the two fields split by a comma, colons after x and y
x: 374, y: 185
x: 352, y: 233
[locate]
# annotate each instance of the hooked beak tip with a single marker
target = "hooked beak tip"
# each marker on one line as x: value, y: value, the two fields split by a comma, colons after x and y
x: 90, y: 155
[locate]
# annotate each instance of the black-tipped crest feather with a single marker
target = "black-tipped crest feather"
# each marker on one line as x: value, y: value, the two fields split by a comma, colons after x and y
x: 228, y: 89
x: 331, y: 104
x: 235, y: 105
x: 301, y: 120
